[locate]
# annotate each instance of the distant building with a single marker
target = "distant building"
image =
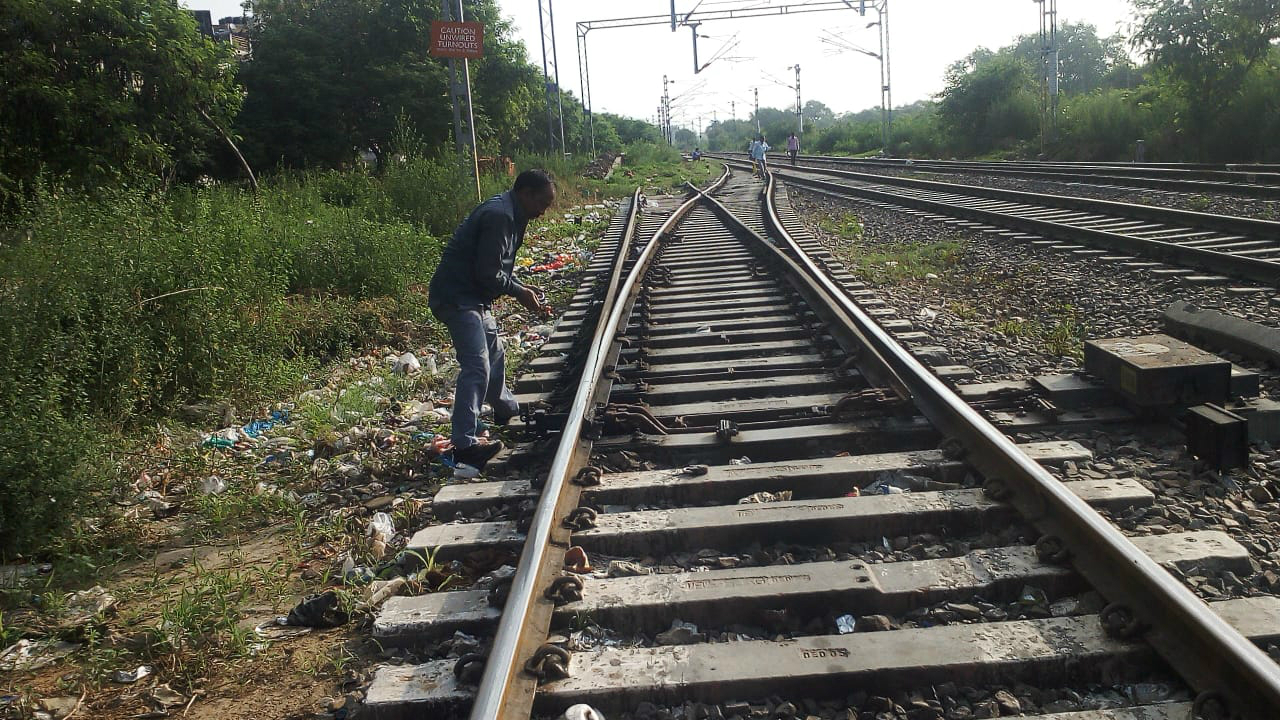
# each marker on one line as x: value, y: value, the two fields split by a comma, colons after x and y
x: 235, y: 30
x: 204, y: 20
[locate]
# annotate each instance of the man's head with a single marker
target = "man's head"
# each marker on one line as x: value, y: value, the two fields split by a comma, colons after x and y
x: 535, y: 191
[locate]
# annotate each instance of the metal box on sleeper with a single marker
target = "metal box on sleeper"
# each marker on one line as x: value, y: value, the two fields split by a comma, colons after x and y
x: 1158, y: 371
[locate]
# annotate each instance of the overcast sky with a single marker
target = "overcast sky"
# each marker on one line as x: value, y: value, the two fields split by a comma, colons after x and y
x: 627, y: 64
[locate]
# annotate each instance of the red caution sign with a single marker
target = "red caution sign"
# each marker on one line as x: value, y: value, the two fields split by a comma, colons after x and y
x: 457, y: 39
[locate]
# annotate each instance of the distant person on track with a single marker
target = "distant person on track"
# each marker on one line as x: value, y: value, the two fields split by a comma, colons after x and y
x: 758, y: 148
x: 697, y: 154
x: 793, y: 147
x: 475, y: 270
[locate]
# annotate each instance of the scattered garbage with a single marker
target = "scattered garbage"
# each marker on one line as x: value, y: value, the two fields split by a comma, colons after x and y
x: 12, y: 576
x: 626, y: 568
x: 87, y: 605
x: 58, y: 707
x: 576, y: 561
x: 213, y: 485
x: 279, y: 629
x: 681, y: 633
x: 381, y: 590
x: 846, y: 624
x: 463, y: 644
x: 744, y: 460
x: 323, y: 610
x: 380, y: 531
x: 165, y: 697
x: 928, y: 315
x: 694, y: 470
x: 766, y: 497
x: 407, y: 364
x: 882, y: 486
x: 893, y: 482
x: 496, y: 577
x: 34, y: 654
x: 582, y: 712
x: 126, y: 677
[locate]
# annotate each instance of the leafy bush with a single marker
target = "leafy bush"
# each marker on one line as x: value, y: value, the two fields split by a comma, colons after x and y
x: 1102, y: 126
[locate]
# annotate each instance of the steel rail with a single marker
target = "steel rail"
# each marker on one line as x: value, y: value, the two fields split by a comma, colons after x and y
x: 1247, y: 267
x: 527, y: 614
x: 1268, y: 229
x: 1208, y: 652
x: 1221, y: 173
x: 1103, y: 174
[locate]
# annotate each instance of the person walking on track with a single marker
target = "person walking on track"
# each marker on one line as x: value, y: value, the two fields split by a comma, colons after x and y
x: 758, y: 148
x: 476, y: 269
x: 793, y: 148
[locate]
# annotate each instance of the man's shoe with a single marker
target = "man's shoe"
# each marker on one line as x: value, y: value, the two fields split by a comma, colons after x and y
x: 502, y: 419
x: 469, y: 462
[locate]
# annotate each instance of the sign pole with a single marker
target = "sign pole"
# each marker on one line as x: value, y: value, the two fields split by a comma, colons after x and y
x: 463, y: 40
x: 471, y: 118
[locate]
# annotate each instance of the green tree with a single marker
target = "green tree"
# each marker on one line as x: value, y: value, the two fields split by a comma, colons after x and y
x: 330, y: 77
x: 1205, y: 50
x: 989, y: 103
x: 97, y: 89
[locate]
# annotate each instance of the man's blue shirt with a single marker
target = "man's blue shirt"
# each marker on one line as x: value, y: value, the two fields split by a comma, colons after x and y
x: 477, y: 265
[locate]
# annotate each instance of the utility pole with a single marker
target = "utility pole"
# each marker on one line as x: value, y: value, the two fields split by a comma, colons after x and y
x: 666, y: 105
x: 733, y: 110
x: 799, y: 107
x: 1048, y: 72
x: 757, y: 91
x: 551, y: 77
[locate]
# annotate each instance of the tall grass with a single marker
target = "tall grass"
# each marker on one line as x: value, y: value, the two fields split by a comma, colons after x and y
x: 120, y: 304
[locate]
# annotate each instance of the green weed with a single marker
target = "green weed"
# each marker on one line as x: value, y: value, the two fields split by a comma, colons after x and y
x: 847, y: 227
x: 1014, y: 327
x: 904, y: 263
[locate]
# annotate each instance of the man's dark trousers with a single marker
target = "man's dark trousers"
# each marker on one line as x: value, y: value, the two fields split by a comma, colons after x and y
x: 483, y: 370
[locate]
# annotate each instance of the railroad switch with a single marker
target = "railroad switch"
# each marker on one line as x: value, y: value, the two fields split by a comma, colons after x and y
x: 1158, y: 371
x: 1217, y: 436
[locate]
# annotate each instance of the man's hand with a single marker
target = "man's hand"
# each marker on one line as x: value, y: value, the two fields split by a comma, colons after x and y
x: 531, y: 298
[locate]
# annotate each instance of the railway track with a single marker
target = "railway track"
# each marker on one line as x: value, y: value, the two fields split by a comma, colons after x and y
x: 1253, y: 181
x: 1140, y: 236
x: 709, y: 404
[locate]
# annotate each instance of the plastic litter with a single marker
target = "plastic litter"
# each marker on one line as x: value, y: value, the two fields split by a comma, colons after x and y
x: 681, y: 633
x: 582, y: 712
x: 126, y: 677
x: 846, y: 623
x: 86, y: 605
x: 166, y: 697
x: 407, y: 364
x: 765, y: 497
x: 576, y: 560
x: 213, y: 485
x: 928, y: 315
x: 744, y: 460
x: 34, y: 654
x: 323, y: 610
x: 380, y: 530
x: 279, y: 629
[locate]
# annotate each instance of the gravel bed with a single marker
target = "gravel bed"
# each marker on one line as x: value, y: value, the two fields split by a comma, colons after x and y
x: 1214, y: 203
x: 997, y: 289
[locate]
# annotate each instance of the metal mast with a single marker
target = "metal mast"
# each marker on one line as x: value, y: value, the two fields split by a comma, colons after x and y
x: 551, y: 77
x: 1048, y: 72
